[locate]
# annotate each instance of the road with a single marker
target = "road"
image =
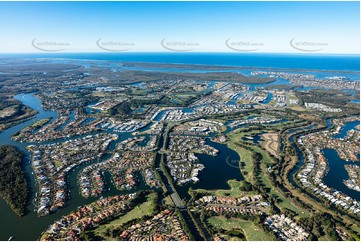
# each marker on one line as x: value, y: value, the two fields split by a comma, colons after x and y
x: 194, y: 226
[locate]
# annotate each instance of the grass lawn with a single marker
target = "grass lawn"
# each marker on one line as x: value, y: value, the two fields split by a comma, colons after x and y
x: 233, y: 192
x: 323, y: 238
x: 99, y: 94
x: 58, y: 163
x: 250, y: 230
x: 223, y: 128
x: 236, y: 136
x: 272, y: 102
x: 146, y: 208
x: 168, y: 201
x: 39, y: 123
x: 297, y: 108
x: 286, y: 203
x: 233, y: 238
x: 246, y: 158
x: 355, y: 228
x: 185, y: 96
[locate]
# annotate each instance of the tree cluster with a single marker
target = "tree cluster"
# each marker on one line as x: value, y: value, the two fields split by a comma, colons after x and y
x: 13, y: 186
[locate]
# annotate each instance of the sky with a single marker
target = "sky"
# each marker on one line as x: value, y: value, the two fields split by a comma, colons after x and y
x: 283, y: 27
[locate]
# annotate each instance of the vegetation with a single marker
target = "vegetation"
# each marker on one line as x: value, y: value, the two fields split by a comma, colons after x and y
x: 13, y: 186
x: 145, y: 209
x: 275, y: 186
x: 122, y: 109
x: 265, y: 164
x: 232, y: 228
x: 321, y: 225
x: 325, y: 96
x: 246, y: 164
x: 136, y: 76
x: 13, y: 112
x: 40, y: 123
x: 305, y: 199
x: 32, y: 127
x: 237, y: 189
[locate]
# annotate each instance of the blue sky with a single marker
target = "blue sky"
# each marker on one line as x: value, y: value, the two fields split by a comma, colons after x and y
x: 329, y: 27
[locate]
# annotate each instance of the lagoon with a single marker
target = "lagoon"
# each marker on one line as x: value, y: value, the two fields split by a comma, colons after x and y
x: 218, y: 170
x: 337, y: 173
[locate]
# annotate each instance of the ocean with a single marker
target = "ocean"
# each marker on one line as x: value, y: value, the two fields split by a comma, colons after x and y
x: 261, y: 60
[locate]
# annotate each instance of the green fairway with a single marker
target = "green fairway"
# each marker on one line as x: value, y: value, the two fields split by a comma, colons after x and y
x: 146, y: 208
x: 247, y: 169
x: 285, y: 203
x: 250, y: 230
x: 245, y: 159
x: 232, y: 192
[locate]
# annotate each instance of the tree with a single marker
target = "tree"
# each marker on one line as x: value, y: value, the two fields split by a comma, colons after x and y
x: 13, y: 186
x: 123, y: 109
x: 257, y: 156
x: 246, y: 186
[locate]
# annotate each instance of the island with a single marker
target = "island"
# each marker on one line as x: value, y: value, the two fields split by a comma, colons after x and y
x: 13, y: 185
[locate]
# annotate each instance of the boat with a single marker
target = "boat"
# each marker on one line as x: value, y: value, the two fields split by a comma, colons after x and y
x: 11, y: 238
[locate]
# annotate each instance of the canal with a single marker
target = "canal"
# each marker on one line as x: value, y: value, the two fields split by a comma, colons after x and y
x: 30, y: 226
x: 337, y: 172
x: 219, y: 169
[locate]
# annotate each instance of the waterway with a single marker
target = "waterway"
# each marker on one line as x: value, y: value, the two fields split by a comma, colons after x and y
x: 254, y: 138
x: 71, y: 118
x: 348, y: 126
x: 218, y: 170
x: 337, y: 172
x: 300, y: 157
x: 30, y: 226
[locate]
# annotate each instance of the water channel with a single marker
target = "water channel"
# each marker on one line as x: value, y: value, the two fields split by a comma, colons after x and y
x: 30, y: 226
x: 219, y: 170
x: 337, y: 172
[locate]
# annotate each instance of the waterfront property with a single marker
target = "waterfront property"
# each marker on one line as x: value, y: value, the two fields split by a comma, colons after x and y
x: 52, y: 163
x: 316, y: 166
x: 72, y: 226
x: 218, y: 157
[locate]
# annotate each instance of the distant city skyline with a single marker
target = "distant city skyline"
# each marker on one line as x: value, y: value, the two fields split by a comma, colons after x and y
x: 266, y: 27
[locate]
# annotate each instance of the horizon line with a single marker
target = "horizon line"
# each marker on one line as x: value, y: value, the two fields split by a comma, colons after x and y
x: 176, y: 52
